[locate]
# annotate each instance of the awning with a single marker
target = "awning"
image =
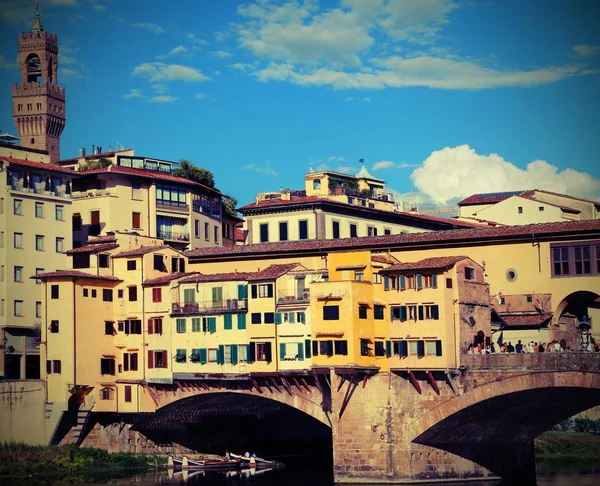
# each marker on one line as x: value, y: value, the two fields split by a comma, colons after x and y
x: 172, y: 215
x: 351, y: 267
x: 329, y: 334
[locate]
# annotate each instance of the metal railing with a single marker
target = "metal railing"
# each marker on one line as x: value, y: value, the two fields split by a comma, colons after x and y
x: 173, y: 235
x: 210, y: 307
x: 292, y: 296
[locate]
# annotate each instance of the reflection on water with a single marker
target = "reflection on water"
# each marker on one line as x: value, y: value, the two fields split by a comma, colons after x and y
x: 551, y: 472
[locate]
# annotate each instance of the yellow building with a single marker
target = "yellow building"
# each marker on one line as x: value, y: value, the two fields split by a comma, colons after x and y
x: 183, y: 213
x: 35, y: 229
x: 333, y: 206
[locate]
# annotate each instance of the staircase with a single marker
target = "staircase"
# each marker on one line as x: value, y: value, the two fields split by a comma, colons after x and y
x: 78, y: 431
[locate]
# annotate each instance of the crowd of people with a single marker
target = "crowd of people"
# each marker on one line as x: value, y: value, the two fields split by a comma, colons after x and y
x: 532, y: 347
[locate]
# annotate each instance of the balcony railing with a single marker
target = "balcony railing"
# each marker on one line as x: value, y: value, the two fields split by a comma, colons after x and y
x: 173, y: 235
x: 178, y: 207
x: 293, y: 296
x: 355, y: 193
x: 210, y: 306
x: 38, y: 190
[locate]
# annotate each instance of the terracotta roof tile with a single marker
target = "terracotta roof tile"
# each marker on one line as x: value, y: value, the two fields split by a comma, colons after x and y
x: 273, y: 271
x: 106, y: 155
x: 240, y: 234
x: 38, y: 165
x: 488, y: 198
x: 427, y: 263
x: 142, y: 251
x: 92, y: 248
x: 478, y: 234
x: 102, y: 239
x: 118, y: 169
x: 74, y: 274
x: 531, y: 194
x: 383, y: 258
x: 516, y: 321
x: 218, y: 277
x: 165, y: 279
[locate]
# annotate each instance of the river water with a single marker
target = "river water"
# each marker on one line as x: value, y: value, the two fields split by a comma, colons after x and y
x: 551, y: 472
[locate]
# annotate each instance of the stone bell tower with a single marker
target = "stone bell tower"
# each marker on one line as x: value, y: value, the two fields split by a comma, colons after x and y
x: 38, y: 100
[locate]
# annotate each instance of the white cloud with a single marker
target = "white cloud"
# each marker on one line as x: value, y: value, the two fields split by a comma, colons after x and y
x: 336, y: 158
x: 67, y: 73
x: 65, y: 55
x: 99, y: 8
x: 197, y: 42
x: 201, y: 96
x: 261, y: 170
x: 150, y: 27
x: 458, y: 172
x: 160, y: 71
x: 244, y: 67
x: 133, y: 93
x: 586, y: 50
x: 5, y: 64
x: 163, y: 99
x: 221, y: 54
x: 383, y: 164
x: 346, y: 169
x: 159, y: 88
x: 177, y: 50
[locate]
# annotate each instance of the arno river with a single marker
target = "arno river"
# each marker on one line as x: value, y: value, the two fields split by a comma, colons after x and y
x: 551, y: 472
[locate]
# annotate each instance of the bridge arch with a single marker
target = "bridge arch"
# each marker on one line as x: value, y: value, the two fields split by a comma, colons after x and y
x: 576, y: 303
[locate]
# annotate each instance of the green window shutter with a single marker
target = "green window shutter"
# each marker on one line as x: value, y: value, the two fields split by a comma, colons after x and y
x: 281, y: 351
x: 402, y: 282
x: 307, y: 348
x: 434, y: 280
x: 277, y: 317
x: 315, y: 348
x: 300, y: 352
x: 251, y: 352
x: 234, y: 354
x: 221, y: 354
x: 240, y: 292
x: 268, y: 353
x: 403, y: 313
x: 421, y: 313
x: 302, y: 317
x: 212, y: 324
x: 420, y: 348
x: 269, y: 290
x: 388, y: 348
x: 203, y: 356
x: 180, y: 325
x: 228, y: 321
x: 196, y: 324
x: 386, y: 282
x: 402, y: 348
x: 435, y: 312
x: 188, y: 295
x: 438, y: 348
x: 419, y: 281
x: 254, y: 289
x: 241, y: 321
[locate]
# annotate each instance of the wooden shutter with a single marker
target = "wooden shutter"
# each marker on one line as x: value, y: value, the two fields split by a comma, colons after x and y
x: 128, y: 393
x: 221, y: 354
x: 420, y: 348
x: 402, y: 282
x: 277, y: 317
x: 307, y: 348
x: 315, y: 348
x: 386, y: 283
x: 268, y: 353
x: 228, y: 321
x: 212, y: 324
x: 251, y: 352
x: 435, y: 312
x: 402, y: 348
x: 254, y: 290
x: 95, y: 217
x: 126, y: 362
x: 403, y: 313
x: 434, y: 281
x: 388, y: 348
x: 438, y: 348
x: 300, y: 351
x: 234, y: 354
x: 137, y: 220
x: 421, y: 313
x: 419, y: 281
x: 203, y: 356
x: 165, y: 360
x: 158, y: 326
x: 48, y: 367
x: 241, y: 321
x: 150, y: 326
x: 281, y: 351
x: 269, y: 290
x: 344, y: 345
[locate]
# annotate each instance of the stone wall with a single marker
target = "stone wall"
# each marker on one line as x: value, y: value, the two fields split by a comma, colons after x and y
x: 22, y: 409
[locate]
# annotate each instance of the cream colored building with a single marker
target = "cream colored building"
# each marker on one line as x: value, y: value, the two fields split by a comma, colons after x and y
x: 332, y: 206
x: 119, y: 191
x: 35, y: 230
x: 527, y: 207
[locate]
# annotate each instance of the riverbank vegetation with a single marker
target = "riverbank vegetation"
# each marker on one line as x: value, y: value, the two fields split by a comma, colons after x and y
x: 567, y: 444
x: 25, y: 460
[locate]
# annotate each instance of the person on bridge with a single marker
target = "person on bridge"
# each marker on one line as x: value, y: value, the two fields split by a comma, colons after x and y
x: 510, y: 348
x: 519, y: 347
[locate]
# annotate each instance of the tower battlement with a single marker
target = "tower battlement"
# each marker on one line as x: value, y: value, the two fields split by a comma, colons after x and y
x: 35, y: 89
x: 37, y: 36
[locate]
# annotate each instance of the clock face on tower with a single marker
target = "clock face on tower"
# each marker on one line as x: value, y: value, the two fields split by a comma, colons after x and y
x: 38, y: 101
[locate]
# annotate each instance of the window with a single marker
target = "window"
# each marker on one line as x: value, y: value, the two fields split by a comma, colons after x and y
x: 270, y: 318
x: 340, y: 347
x: 76, y: 221
x: 377, y: 278
x: 353, y: 230
x: 560, y: 260
x: 196, y: 324
x: 136, y: 220
x: 107, y: 366
x: 303, y: 230
x: 283, y: 231
x: 85, y: 292
x: 263, y: 352
x: 127, y: 390
x: 206, y: 232
x: 94, y: 229
x: 155, y: 325
x: 136, y: 191
x: 54, y: 293
x: 159, y: 263
x: 196, y: 228
x: 520, y: 210
x: 180, y: 356
x: 107, y: 393
x: 448, y: 283
x: 371, y: 231
x: 387, y: 232
x: 109, y: 328
x: 54, y: 327
x: 583, y: 262
x: 429, y: 311
x: 156, y: 294
x: 433, y: 348
x: 93, y: 293
x: 331, y: 312
x: 540, y: 208
x: 242, y: 353
x: 107, y: 295
x: 120, y: 293
x: 227, y: 353
x: 38, y: 309
x: 335, y: 228
x: 180, y: 326
x: 18, y: 240
x: 157, y: 359
x: 378, y: 312
x: 39, y: 242
x: 213, y: 355
x: 18, y: 274
x: 103, y: 261
x: 256, y: 318
x: 359, y: 275
x: 379, y: 349
x: 529, y: 298
x: 264, y: 232
x: 18, y: 207
x: 469, y: 273
x: 39, y: 210
x: 262, y: 291
x: 362, y: 311
x: 131, y: 264
x: 412, y: 312
x: 59, y: 245
x: 317, y: 184
x: 365, y: 350
x: 132, y: 291
x: 170, y: 195
x: 216, y: 234
x: 131, y: 326
x: 56, y: 366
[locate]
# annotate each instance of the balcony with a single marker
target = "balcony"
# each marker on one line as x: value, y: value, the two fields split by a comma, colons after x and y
x: 170, y: 235
x: 58, y: 192
x: 293, y: 296
x: 355, y: 193
x: 177, y: 207
x: 210, y: 307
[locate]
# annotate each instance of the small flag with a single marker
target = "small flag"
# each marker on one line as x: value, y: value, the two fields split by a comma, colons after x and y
x: 362, y: 161
x: 499, y: 295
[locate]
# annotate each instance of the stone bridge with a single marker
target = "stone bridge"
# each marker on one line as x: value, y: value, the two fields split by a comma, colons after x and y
x: 478, y: 421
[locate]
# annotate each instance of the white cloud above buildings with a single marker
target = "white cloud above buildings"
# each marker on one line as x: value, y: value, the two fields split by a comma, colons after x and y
x: 160, y: 71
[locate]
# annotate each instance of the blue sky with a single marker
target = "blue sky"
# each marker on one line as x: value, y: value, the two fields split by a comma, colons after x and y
x: 444, y: 96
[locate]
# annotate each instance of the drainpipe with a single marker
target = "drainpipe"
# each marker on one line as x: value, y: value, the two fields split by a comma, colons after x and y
x: 316, y: 223
x: 144, y: 350
x: 276, y: 350
x: 74, y: 335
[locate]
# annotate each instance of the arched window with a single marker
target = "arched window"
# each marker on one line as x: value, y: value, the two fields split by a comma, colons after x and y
x: 107, y: 393
x: 34, y: 68
x: 317, y: 184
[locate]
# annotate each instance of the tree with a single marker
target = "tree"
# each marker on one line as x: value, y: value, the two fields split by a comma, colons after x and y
x: 229, y: 206
x: 187, y: 170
